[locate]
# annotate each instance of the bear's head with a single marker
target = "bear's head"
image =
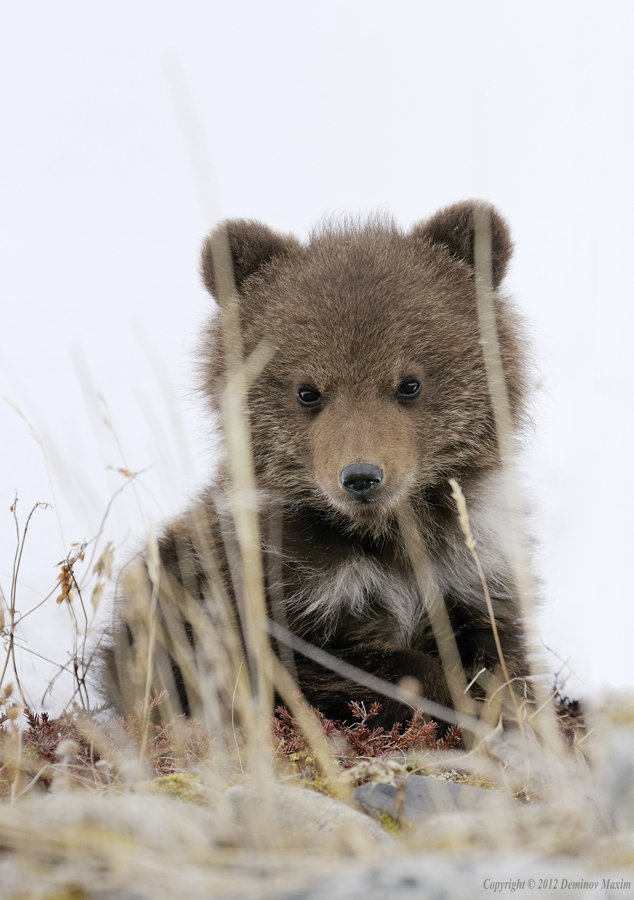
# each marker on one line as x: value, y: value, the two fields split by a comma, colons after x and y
x: 375, y: 390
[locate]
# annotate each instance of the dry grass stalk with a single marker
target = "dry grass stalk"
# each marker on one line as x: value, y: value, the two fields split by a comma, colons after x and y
x: 305, y: 717
x: 465, y: 525
x: 12, y: 609
x: 243, y: 507
x: 545, y: 720
x: 263, y: 665
x: 154, y: 572
x: 438, y: 615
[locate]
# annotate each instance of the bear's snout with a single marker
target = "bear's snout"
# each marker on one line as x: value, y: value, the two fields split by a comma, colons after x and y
x: 361, y: 480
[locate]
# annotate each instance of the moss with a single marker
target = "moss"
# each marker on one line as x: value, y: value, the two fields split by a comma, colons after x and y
x: 183, y: 785
x: 389, y: 824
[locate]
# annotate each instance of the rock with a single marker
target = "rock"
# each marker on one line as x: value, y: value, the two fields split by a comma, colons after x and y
x: 299, y: 812
x: 422, y: 796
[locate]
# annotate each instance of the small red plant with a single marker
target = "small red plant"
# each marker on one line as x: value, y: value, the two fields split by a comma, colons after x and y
x: 360, y: 739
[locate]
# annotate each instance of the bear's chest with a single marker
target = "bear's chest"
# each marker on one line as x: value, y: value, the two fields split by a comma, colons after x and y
x: 357, y: 599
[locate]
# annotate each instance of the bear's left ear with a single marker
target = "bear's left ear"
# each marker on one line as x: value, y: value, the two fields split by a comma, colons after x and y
x: 251, y: 245
x: 454, y: 229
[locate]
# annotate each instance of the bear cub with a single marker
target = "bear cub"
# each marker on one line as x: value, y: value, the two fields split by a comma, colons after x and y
x: 373, y: 394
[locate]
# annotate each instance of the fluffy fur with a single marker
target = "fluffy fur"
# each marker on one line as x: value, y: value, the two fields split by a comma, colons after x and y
x: 353, y: 314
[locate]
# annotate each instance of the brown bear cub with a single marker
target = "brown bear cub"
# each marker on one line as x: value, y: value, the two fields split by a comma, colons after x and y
x: 373, y: 396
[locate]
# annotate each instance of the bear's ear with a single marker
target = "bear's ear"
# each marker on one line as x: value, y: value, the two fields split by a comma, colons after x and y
x: 251, y: 245
x: 454, y: 229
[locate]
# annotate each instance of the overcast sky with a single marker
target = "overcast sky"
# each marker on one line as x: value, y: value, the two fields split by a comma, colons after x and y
x: 307, y: 109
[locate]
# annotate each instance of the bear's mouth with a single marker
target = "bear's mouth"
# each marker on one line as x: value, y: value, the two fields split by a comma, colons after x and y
x: 366, y: 505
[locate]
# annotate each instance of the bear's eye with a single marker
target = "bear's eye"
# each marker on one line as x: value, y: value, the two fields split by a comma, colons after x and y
x: 409, y: 389
x: 308, y: 396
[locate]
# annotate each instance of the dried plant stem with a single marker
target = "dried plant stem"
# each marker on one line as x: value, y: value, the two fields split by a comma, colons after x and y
x: 505, y: 430
x: 232, y: 649
x: 438, y: 615
x: 154, y: 572
x: 492, y: 704
x: 35, y: 437
x: 465, y: 525
x: 15, y: 784
x: 194, y: 135
x: 302, y: 712
x: 19, y: 551
x: 233, y: 724
x: 243, y: 493
x: 95, y: 540
x: 79, y: 660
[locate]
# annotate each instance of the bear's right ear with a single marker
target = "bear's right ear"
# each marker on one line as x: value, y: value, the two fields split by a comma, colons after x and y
x: 454, y: 229
x: 251, y: 246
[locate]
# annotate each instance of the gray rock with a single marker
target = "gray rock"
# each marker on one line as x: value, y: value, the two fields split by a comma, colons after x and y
x: 422, y: 796
x: 299, y: 812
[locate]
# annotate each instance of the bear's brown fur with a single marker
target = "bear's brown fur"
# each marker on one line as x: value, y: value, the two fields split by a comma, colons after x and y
x: 378, y: 331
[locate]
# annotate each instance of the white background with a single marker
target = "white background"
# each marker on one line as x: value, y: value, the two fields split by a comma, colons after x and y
x: 307, y: 108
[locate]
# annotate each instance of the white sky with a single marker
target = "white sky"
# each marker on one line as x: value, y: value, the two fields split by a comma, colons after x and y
x: 308, y: 108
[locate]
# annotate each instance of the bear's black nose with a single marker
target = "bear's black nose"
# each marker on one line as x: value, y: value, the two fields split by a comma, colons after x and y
x: 361, y: 480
